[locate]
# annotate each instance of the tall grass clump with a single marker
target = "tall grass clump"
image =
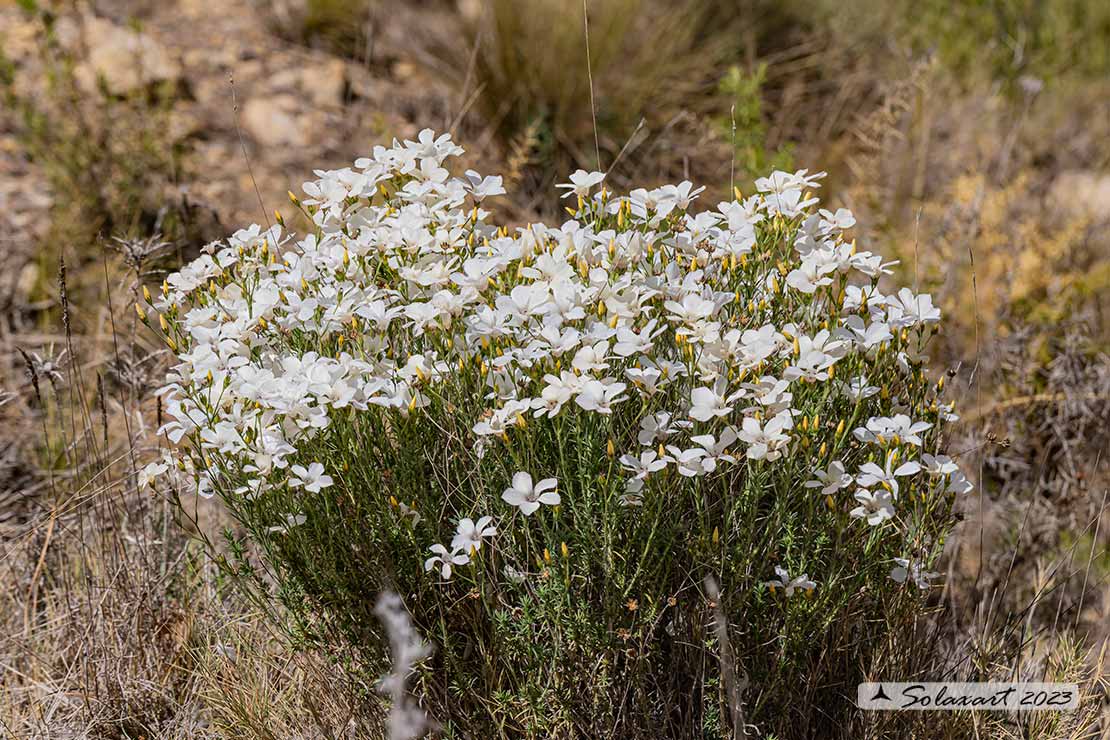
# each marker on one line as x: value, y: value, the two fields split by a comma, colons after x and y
x: 585, y: 81
x: 651, y: 472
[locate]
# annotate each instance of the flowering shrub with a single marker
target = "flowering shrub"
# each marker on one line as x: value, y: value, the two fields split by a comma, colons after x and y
x: 545, y: 439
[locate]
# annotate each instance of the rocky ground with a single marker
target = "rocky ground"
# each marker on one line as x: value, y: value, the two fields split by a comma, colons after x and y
x: 254, y: 112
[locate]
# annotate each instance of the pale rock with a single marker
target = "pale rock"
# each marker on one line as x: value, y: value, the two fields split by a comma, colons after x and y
x: 125, y: 59
x: 273, y: 121
x: 1082, y: 193
x: 324, y: 82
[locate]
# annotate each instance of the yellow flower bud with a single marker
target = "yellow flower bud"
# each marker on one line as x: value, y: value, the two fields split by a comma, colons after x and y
x: 564, y: 549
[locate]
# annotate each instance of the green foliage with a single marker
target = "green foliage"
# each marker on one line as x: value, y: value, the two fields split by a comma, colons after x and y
x: 337, y: 25
x: 993, y: 39
x: 745, y: 127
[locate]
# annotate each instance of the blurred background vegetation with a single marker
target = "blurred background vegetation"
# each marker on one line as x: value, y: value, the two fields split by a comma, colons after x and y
x: 972, y: 139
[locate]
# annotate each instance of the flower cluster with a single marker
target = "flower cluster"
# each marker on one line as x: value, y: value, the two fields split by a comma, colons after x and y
x: 718, y: 346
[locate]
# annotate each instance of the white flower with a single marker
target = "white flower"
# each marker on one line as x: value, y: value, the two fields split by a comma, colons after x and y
x: 641, y: 467
x: 947, y: 412
x: 857, y: 389
x: 469, y: 534
x: 841, y: 220
x: 311, y: 478
x: 709, y: 403
x: 716, y: 450
x: 630, y: 342
x: 903, y: 570
x: 866, y: 336
x: 483, y: 187
x: 446, y: 560
x: 766, y: 441
x: 591, y: 358
x: 657, y: 427
x: 581, y: 182
x: 871, y: 474
x: 907, y: 309
x: 788, y: 584
x: 600, y: 397
x: 898, y: 429
x: 409, y: 512
x: 527, y: 497
x: 876, y: 507
x: 151, y: 472
x: 832, y: 480
x: 938, y: 465
x: 291, y: 520
x: 688, y: 462
x: 812, y: 274
x: 960, y: 484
